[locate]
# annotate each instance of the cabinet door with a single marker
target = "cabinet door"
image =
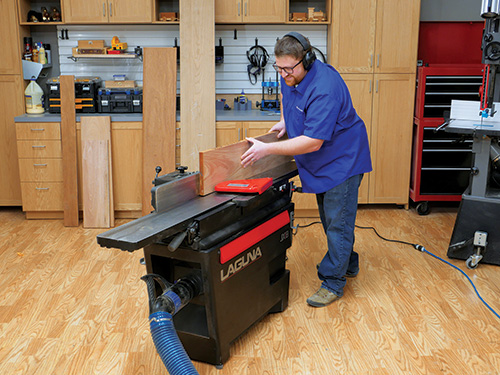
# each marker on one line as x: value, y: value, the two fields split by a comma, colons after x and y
x: 264, y: 11
x: 255, y: 128
x: 11, y: 52
x: 228, y: 11
x: 361, y: 87
x: 396, y: 36
x: 122, y: 11
x: 391, y: 138
x: 85, y: 11
x: 126, y: 149
x: 11, y: 105
x: 228, y: 133
x: 353, y: 36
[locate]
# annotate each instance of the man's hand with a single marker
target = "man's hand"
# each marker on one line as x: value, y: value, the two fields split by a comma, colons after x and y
x: 280, y: 128
x: 257, y: 151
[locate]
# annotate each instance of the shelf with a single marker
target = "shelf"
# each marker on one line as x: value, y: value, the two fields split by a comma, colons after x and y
x: 120, y: 56
x: 40, y: 23
x: 166, y: 22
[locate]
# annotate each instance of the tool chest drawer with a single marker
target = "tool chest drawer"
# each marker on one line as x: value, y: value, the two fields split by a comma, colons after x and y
x: 42, y: 196
x: 42, y: 130
x: 35, y: 170
x: 39, y: 149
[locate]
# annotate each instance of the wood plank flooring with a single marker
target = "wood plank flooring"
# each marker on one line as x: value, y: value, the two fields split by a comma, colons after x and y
x: 69, y: 307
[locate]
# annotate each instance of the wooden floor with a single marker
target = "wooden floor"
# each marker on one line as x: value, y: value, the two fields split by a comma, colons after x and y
x: 68, y: 306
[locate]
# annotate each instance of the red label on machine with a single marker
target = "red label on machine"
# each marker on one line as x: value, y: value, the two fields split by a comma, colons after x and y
x: 252, y: 186
x: 237, y: 246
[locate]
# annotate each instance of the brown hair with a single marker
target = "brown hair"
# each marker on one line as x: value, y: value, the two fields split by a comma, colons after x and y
x: 289, y: 46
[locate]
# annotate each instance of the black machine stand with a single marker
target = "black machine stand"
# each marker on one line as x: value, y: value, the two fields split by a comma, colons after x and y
x: 476, y: 237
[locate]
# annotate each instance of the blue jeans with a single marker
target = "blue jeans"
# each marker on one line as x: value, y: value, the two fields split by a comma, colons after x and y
x: 337, y: 209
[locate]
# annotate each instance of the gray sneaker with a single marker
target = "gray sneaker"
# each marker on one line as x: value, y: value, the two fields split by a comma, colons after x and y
x: 347, y: 274
x: 322, y: 298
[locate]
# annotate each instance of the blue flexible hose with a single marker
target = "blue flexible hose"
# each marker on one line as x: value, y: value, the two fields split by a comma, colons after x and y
x: 423, y: 249
x: 168, y: 345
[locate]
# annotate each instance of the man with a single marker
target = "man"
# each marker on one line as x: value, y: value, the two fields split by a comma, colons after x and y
x: 330, y: 145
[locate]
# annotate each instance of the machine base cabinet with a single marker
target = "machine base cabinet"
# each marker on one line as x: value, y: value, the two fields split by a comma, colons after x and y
x: 244, y: 279
x: 476, y: 214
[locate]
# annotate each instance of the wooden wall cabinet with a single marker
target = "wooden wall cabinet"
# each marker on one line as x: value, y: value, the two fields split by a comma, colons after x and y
x: 25, y: 6
x: 108, y: 11
x: 250, y: 11
x: 321, y: 12
x: 374, y: 36
x: 11, y: 51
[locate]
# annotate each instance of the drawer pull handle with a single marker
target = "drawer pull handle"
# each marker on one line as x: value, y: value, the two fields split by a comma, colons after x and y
x: 40, y: 165
x: 42, y: 188
x: 37, y: 130
x: 38, y: 146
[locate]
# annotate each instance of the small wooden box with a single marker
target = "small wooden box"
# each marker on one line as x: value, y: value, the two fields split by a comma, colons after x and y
x: 119, y: 84
x: 90, y: 44
x: 298, y: 17
x: 168, y: 16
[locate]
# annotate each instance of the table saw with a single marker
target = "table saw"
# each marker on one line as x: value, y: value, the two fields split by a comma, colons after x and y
x: 230, y: 249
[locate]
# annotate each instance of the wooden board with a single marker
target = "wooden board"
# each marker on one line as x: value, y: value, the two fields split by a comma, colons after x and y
x: 97, y: 181
x: 197, y: 80
x: 224, y: 163
x: 159, y: 112
x: 69, y: 156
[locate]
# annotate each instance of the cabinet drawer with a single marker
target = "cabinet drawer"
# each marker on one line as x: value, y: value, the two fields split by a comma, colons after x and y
x: 35, y: 170
x: 42, y: 196
x: 39, y: 149
x: 43, y: 130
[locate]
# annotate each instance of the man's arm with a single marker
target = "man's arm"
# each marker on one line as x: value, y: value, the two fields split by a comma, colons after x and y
x: 295, y: 146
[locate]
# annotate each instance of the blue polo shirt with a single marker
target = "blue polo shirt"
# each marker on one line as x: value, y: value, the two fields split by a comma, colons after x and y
x: 320, y: 107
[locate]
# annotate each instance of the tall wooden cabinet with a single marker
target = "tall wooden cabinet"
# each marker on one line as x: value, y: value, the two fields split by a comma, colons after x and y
x: 11, y: 103
x: 373, y: 44
x: 108, y: 11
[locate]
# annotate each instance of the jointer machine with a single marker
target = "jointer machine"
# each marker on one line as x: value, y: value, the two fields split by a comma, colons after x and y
x: 215, y: 263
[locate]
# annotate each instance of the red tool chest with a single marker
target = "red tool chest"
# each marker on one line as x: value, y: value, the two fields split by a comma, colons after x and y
x: 441, y: 161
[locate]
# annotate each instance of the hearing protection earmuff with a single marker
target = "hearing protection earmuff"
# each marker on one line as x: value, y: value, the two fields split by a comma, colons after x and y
x: 309, y: 56
x: 258, y: 58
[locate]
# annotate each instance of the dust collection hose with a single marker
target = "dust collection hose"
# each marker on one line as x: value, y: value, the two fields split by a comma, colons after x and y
x: 162, y: 309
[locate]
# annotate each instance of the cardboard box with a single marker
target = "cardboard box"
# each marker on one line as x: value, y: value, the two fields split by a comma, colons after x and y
x: 90, y: 44
x: 119, y: 84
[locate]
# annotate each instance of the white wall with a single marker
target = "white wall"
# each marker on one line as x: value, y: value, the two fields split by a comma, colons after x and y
x: 231, y: 76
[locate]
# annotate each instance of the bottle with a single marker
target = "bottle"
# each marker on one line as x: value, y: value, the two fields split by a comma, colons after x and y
x: 42, y: 57
x: 34, y: 58
x: 33, y: 96
x: 48, y: 53
x: 28, y: 48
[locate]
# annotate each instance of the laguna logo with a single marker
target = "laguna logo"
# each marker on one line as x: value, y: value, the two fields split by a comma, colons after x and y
x: 240, y: 263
